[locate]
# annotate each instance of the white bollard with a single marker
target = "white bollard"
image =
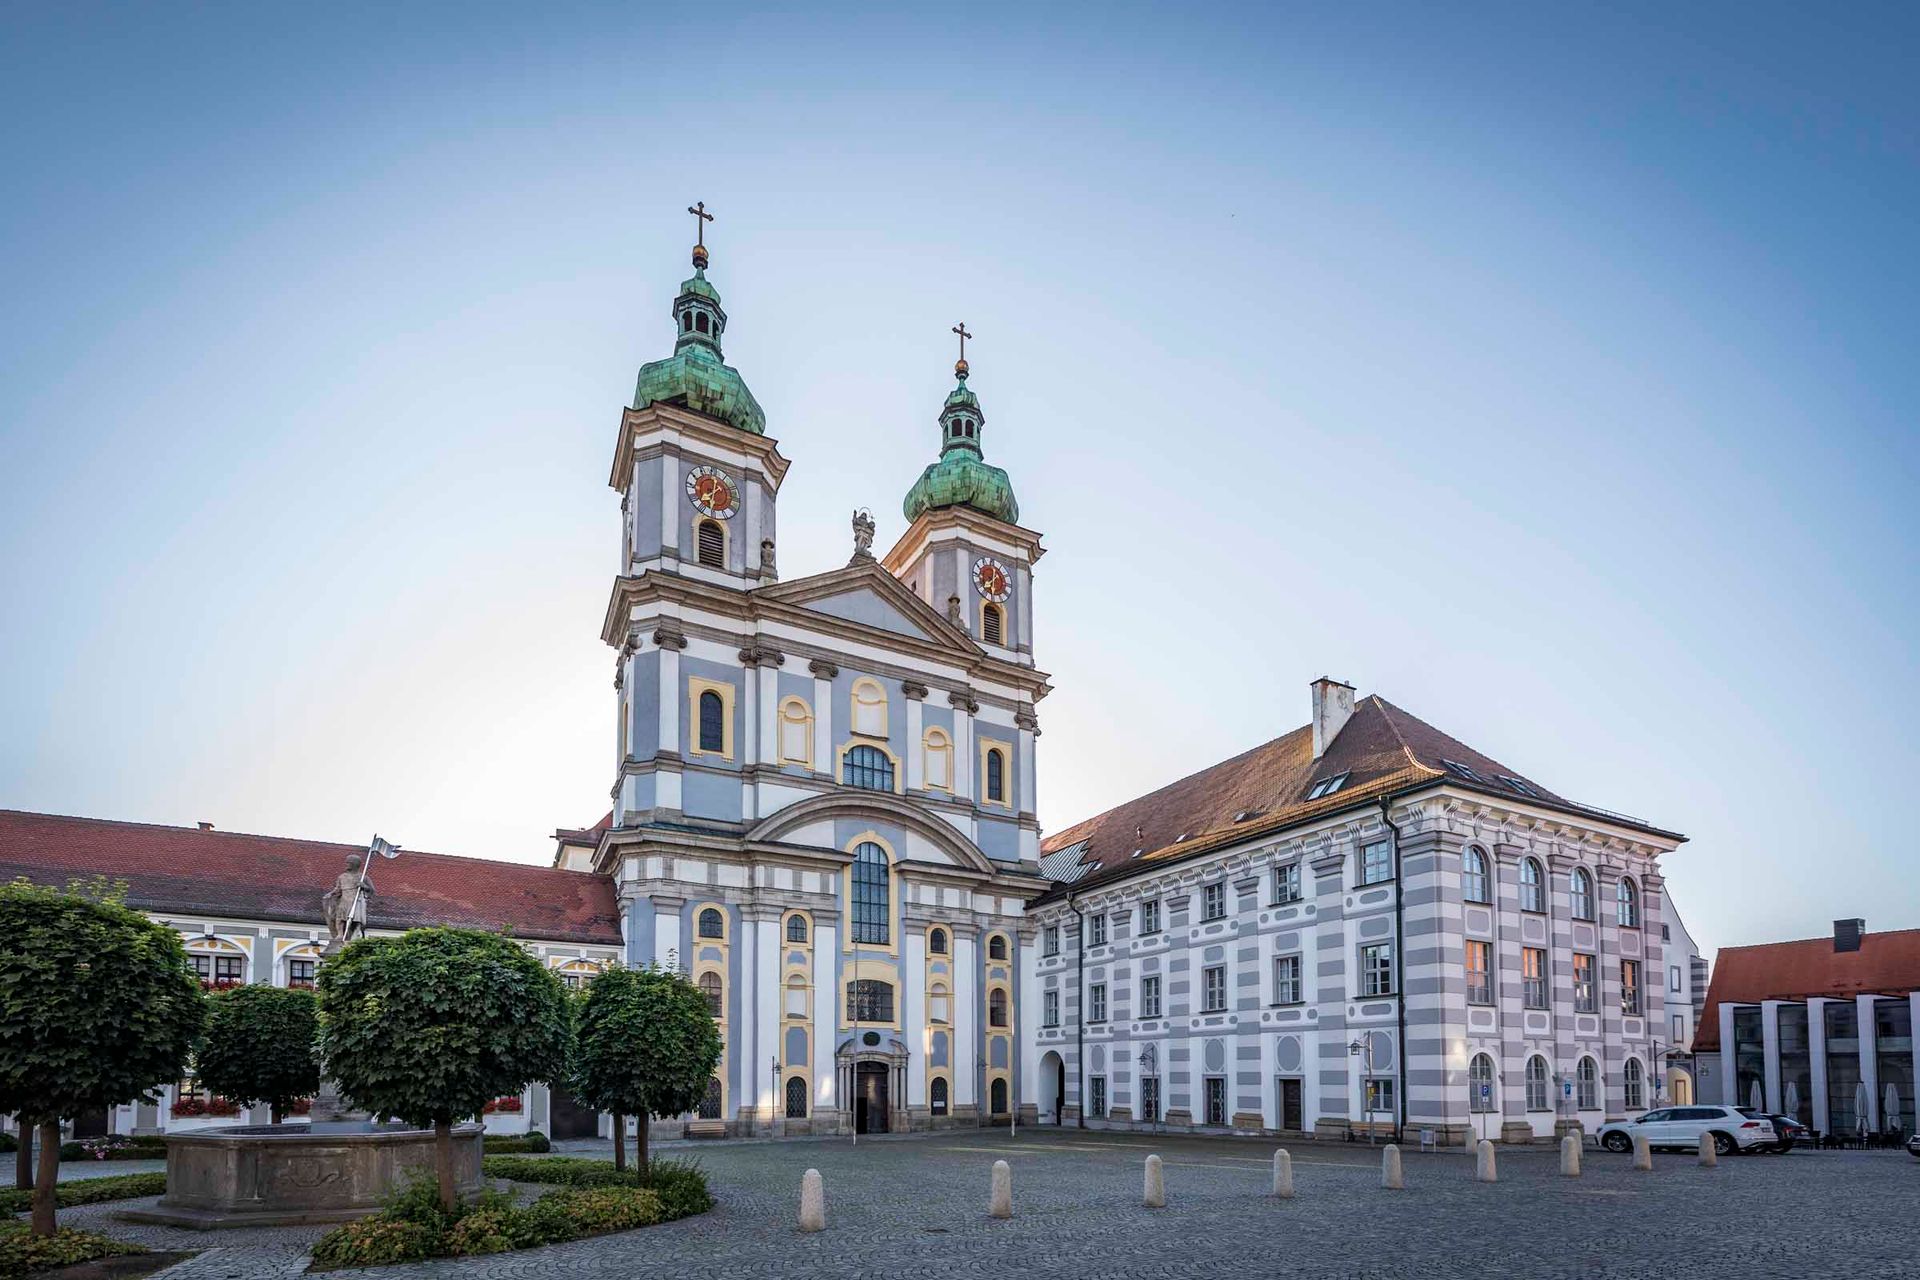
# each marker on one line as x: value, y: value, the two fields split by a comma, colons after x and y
x: 1570, y: 1156
x: 1642, y: 1152
x: 1709, y: 1154
x: 1282, y: 1174
x: 813, y: 1202
x: 1154, y: 1194
x: 1391, y: 1177
x: 1001, y: 1203
x: 1483, y: 1167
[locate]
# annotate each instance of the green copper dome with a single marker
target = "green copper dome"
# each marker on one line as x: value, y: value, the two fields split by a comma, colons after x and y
x: 695, y: 375
x: 962, y: 478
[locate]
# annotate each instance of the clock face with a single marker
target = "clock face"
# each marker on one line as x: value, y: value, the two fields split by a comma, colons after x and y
x: 711, y: 492
x: 991, y: 578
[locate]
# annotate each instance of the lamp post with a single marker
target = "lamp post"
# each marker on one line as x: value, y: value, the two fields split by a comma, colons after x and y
x: 1149, y: 1060
x: 1364, y: 1051
x: 776, y: 1108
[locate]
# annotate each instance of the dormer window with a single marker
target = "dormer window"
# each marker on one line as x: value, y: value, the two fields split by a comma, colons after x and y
x: 1327, y: 786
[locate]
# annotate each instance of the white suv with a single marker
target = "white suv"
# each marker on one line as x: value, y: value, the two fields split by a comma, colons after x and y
x: 1682, y: 1127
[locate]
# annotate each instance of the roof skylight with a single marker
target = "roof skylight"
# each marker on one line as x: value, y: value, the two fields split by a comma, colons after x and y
x: 1327, y: 786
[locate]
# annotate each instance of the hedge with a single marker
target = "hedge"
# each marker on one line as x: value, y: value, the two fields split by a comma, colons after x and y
x: 502, y: 1144
x: 119, y: 1186
x: 680, y: 1184
x: 139, y: 1149
x: 22, y: 1252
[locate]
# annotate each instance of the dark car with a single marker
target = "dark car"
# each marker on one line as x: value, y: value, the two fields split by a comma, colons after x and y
x: 1913, y: 1145
x: 1787, y: 1130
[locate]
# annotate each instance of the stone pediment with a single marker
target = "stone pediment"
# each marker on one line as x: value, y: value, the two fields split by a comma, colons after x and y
x: 867, y: 594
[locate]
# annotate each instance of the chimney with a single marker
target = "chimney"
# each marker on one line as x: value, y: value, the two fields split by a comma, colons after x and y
x: 1847, y: 935
x: 1332, y: 708
x: 206, y: 826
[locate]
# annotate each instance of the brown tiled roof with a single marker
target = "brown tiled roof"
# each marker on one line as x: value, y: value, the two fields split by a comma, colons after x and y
x: 1381, y: 749
x: 181, y: 870
x: 1885, y: 963
x: 584, y: 835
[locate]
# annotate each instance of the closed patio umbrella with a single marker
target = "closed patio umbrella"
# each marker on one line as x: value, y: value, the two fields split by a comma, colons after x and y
x: 1793, y: 1099
x: 1862, y: 1106
x: 1890, y: 1109
x: 1756, y: 1098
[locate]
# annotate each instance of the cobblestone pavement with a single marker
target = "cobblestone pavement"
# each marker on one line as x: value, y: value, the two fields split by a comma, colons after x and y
x: 916, y: 1207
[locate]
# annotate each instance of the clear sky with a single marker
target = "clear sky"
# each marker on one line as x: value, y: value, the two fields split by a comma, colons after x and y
x: 1546, y: 369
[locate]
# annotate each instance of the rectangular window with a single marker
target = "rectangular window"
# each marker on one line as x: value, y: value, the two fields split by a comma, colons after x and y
x: 1376, y: 969
x: 1630, y: 987
x: 1097, y: 1099
x: 1586, y: 997
x: 1479, y: 972
x: 1213, y: 902
x: 1050, y: 940
x: 1679, y: 1028
x: 1099, y: 925
x: 869, y: 1000
x: 1216, y: 1100
x: 300, y: 973
x: 1378, y: 1102
x: 1286, y: 884
x: 1150, y: 996
x: 1673, y: 977
x: 1150, y: 1099
x: 1150, y: 917
x: 1050, y: 1005
x: 1286, y: 980
x: 1376, y: 862
x: 1216, y: 989
x: 1533, y: 977
x: 1097, y: 1002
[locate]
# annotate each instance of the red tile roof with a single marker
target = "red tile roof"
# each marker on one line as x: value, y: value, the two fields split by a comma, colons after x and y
x: 1886, y: 963
x: 1381, y: 749
x: 181, y: 870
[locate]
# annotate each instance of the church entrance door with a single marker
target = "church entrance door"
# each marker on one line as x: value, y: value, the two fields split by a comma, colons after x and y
x: 570, y: 1119
x: 870, y: 1097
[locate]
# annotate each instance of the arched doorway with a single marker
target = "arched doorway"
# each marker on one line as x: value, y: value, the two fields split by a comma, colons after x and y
x: 1053, y: 1087
x: 872, y: 1085
x: 1679, y: 1087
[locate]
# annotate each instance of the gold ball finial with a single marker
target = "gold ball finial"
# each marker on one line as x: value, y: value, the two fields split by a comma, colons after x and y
x: 960, y: 368
x: 700, y: 256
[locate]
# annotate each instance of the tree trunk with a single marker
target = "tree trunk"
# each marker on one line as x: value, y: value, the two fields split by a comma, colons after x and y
x: 619, y: 1142
x: 273, y: 1113
x: 43, y: 1216
x: 640, y: 1145
x: 443, y: 1163
x: 23, y: 1158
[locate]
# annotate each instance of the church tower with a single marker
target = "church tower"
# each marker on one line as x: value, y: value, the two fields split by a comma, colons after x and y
x: 696, y: 472
x: 964, y: 551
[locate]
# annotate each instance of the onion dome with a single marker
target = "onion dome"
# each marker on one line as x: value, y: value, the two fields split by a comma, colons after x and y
x: 694, y: 375
x: 962, y: 478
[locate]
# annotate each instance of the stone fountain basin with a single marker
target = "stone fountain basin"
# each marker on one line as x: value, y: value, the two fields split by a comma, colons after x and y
x: 290, y: 1175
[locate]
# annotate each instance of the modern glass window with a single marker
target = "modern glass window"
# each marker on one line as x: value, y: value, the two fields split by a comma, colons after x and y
x: 1098, y: 925
x: 1097, y: 1002
x: 1893, y: 1050
x: 1480, y: 1083
x: 1216, y: 1100
x: 796, y: 1098
x: 1376, y: 969
x: 713, y: 722
x: 1586, y: 1085
x: 1586, y: 992
x: 1633, y: 1081
x: 1286, y: 884
x: 869, y: 768
x: 1539, y: 1097
x: 1150, y: 917
x: 1326, y: 786
x: 1479, y: 972
x: 1150, y: 1098
x: 869, y: 1000
x: 1215, y: 986
x: 937, y: 942
x: 1843, y: 1062
x: 1533, y: 892
x: 1097, y: 1097
x: 1050, y: 940
x: 1286, y: 980
x: 1626, y: 904
x: 1150, y: 996
x: 1630, y: 987
x: 710, y: 987
x: 796, y: 928
x: 1533, y: 977
x: 1475, y: 884
x: 712, y: 923
x: 872, y: 894
x: 1050, y: 1008
x: 997, y: 1007
x: 1376, y: 862
x: 1580, y: 887
x: 1213, y: 902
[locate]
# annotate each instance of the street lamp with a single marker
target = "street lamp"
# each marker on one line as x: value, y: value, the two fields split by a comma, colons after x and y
x: 1364, y: 1051
x: 1149, y: 1061
x: 778, y: 1107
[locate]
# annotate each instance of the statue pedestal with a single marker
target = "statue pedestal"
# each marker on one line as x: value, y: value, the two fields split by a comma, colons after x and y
x: 331, y: 1113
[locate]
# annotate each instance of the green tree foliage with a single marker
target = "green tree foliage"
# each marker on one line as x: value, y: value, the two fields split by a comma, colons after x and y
x: 97, y: 1009
x: 646, y: 1047
x: 260, y: 1046
x: 433, y: 1025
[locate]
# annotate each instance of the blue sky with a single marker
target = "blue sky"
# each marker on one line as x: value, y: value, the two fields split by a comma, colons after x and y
x: 1544, y: 369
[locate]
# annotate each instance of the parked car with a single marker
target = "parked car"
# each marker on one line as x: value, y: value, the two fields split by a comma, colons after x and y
x: 1786, y: 1129
x: 1681, y: 1127
x: 1913, y: 1145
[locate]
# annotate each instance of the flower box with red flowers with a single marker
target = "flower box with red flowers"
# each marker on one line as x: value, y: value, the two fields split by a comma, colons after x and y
x: 206, y: 1107
x: 220, y: 984
x: 509, y: 1105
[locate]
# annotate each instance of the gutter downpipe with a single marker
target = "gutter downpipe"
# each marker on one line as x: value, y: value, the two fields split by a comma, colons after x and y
x: 1080, y: 1010
x: 1400, y: 971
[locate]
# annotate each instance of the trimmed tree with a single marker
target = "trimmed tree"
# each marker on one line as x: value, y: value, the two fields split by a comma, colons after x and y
x: 97, y: 1008
x: 646, y: 1047
x: 433, y: 1025
x: 259, y: 1047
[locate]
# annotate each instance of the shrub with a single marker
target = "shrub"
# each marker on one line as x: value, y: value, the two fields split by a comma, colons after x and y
x: 21, y: 1251
x: 114, y: 1146
x: 120, y: 1186
x: 484, y: 1231
x: 681, y: 1186
x: 594, y: 1210
x: 558, y: 1171
x: 501, y: 1144
x: 8, y: 1143
x: 375, y: 1241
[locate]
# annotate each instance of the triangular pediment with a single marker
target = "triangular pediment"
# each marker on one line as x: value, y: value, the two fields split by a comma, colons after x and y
x: 867, y: 594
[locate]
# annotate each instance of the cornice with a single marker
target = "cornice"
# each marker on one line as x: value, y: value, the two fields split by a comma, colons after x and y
x: 920, y: 532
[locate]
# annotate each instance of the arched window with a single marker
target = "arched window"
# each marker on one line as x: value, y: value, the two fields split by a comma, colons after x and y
x: 997, y: 1097
x: 937, y: 1006
x: 1480, y: 1083
x: 993, y: 624
x: 1532, y: 887
x: 1474, y: 885
x: 937, y: 942
x: 1582, y: 891
x: 713, y: 722
x: 715, y: 1101
x: 1626, y: 904
x: 1634, y: 1079
x: 711, y: 540
x: 997, y: 947
x: 869, y: 1000
x: 938, y: 1095
x: 1538, y: 1096
x: 796, y: 997
x: 1586, y: 1085
x: 796, y: 732
x: 218, y: 964
x: 937, y: 750
x: 701, y: 322
x: 997, y: 1007
x: 796, y: 1098
x: 712, y: 923
x: 869, y: 768
x: 709, y: 985
x: 869, y: 708
x: 796, y: 928
x: 872, y: 894
x: 686, y: 322
x: 996, y: 775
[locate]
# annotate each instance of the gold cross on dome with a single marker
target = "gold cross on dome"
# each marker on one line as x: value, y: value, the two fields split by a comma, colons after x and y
x: 701, y: 219
x: 961, y: 329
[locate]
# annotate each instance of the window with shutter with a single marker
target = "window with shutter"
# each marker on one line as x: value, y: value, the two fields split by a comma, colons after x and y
x: 712, y: 540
